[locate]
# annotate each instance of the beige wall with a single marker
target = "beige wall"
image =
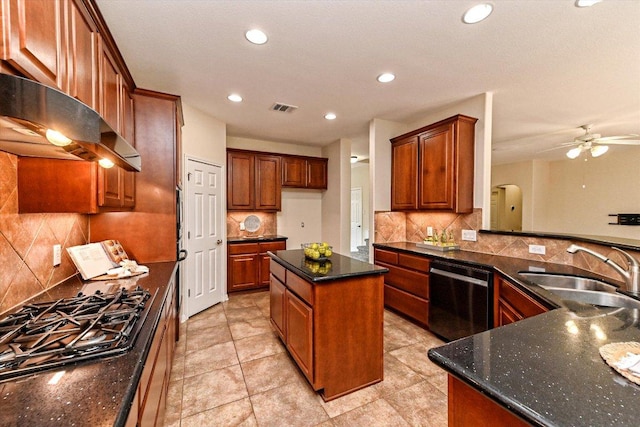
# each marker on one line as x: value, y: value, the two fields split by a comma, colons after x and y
x: 203, y: 137
x: 336, y: 200
x: 574, y: 196
x: 360, y: 179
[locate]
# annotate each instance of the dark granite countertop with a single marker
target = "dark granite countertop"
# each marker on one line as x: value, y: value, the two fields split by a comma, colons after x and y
x: 547, y: 368
x: 255, y: 239
x: 97, y: 392
x: 340, y: 266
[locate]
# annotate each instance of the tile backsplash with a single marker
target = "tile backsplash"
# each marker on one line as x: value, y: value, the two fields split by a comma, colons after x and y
x: 268, y: 224
x: 412, y: 226
x: 26, y: 243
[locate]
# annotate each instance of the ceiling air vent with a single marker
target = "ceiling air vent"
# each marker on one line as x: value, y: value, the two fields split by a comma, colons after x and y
x: 283, y: 108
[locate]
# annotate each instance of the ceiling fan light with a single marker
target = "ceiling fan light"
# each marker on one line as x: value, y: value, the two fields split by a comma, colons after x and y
x: 586, y: 3
x: 574, y: 152
x: 599, y: 150
x: 477, y: 13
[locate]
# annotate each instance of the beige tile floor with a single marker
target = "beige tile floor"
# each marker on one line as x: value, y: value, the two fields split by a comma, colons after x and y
x: 230, y: 369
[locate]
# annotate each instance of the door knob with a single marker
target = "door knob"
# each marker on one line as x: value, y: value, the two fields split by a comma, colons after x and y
x: 219, y: 241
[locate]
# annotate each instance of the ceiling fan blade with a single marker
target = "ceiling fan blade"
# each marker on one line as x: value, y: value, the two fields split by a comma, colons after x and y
x: 609, y: 138
x: 620, y: 142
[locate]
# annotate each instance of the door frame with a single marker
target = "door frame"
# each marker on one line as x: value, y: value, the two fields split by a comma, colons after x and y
x: 351, y: 245
x: 223, y: 250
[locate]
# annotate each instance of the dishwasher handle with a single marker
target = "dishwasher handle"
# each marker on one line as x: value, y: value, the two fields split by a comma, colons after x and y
x: 460, y: 277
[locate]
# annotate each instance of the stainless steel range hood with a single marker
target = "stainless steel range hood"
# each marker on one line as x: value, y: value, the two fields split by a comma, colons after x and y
x: 28, y: 109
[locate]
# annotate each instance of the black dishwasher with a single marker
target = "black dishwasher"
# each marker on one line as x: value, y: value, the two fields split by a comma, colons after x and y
x: 460, y: 302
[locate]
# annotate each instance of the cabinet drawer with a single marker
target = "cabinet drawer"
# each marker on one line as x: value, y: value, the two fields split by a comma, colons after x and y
x: 407, y: 304
x: 272, y: 246
x: 300, y: 287
x: 522, y: 303
x: 385, y: 256
x: 415, y: 262
x: 407, y: 280
x: 242, y: 248
x: 277, y: 270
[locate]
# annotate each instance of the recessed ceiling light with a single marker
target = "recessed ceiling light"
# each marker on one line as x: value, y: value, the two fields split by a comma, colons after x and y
x: 234, y: 97
x: 386, y: 77
x: 330, y: 116
x: 586, y: 3
x: 256, y: 36
x: 477, y: 13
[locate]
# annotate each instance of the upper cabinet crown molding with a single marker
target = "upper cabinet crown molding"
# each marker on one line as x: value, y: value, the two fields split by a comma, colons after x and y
x: 432, y: 168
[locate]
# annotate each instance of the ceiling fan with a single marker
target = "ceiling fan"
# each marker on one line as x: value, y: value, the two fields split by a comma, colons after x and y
x: 596, y: 144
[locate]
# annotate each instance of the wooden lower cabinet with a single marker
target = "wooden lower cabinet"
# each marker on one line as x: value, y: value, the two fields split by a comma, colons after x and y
x: 332, y: 329
x: 512, y: 304
x: 150, y: 401
x: 470, y: 408
x: 299, y: 327
x: 406, y: 285
x: 248, y: 264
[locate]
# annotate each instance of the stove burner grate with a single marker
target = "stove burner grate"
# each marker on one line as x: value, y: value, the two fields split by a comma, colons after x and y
x: 54, y: 333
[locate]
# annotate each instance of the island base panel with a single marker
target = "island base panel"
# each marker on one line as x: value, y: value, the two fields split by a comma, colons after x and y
x: 470, y: 408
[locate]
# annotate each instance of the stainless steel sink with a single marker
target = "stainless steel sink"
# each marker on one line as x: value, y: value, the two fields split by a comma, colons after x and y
x: 604, y: 299
x: 558, y: 281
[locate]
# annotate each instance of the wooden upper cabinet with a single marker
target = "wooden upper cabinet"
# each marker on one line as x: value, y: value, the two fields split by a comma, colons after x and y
x: 109, y: 88
x: 294, y: 171
x: 304, y: 172
x: 240, y: 180
x: 437, y: 174
x: 82, y: 60
x: 33, y: 39
x: 317, y: 173
x: 267, y: 182
x: 253, y: 181
x: 404, y: 161
x: 432, y: 167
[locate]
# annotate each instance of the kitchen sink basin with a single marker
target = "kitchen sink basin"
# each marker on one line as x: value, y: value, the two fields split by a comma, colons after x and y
x: 558, y: 281
x: 603, y: 299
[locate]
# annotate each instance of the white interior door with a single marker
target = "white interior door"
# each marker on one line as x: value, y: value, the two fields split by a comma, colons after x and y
x: 205, y: 228
x: 356, y: 218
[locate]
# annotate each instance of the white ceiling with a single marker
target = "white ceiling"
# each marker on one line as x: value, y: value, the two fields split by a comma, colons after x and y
x: 551, y: 66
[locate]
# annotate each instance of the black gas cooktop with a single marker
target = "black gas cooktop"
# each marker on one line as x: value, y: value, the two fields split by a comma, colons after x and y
x: 52, y: 334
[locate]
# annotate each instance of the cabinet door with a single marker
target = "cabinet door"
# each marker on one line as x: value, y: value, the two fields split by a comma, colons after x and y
x: 506, y: 315
x: 404, y: 161
x: 436, y: 168
x: 294, y: 172
x: 109, y: 88
x: 268, y: 183
x: 33, y: 39
x: 243, y: 272
x: 317, y: 173
x: 240, y: 181
x: 82, y: 59
x: 110, y: 187
x: 265, y: 260
x: 277, y: 306
x: 299, y: 329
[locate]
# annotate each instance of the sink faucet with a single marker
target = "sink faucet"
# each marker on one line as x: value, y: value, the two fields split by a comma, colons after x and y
x: 631, y: 274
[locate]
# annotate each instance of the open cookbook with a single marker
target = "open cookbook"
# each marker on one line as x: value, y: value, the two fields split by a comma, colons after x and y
x: 104, y: 260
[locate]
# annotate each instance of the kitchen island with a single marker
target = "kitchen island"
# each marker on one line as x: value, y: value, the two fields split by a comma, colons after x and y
x: 330, y: 317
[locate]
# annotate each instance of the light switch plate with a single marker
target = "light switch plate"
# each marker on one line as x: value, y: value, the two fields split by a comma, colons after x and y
x: 469, y: 235
x: 537, y: 249
x: 57, y: 255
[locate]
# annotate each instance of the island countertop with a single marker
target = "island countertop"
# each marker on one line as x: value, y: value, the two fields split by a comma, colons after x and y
x: 547, y: 369
x: 340, y: 266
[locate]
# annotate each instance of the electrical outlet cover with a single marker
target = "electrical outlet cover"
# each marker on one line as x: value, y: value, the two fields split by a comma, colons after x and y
x: 57, y: 255
x: 469, y: 235
x: 537, y: 249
